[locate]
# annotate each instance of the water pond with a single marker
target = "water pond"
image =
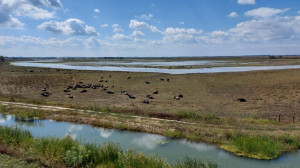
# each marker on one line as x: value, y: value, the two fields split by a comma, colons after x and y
x: 104, y: 66
x: 171, y: 149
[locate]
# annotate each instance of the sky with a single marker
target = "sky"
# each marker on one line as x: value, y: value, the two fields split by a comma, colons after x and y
x: 154, y: 28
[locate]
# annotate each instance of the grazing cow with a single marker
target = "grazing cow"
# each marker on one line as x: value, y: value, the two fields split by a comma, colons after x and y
x: 131, y: 97
x: 168, y: 80
x: 146, y: 101
x: 162, y: 79
x: 180, y: 96
x: 110, y: 92
x: 156, y: 92
x: 44, y: 89
x: 45, y: 94
x: 123, y: 91
x: 147, y: 82
x: 149, y: 96
x: 242, y: 100
x: 176, y: 98
x: 66, y: 90
x: 71, y: 97
x: 101, y: 80
x: 110, y: 76
x: 83, y: 91
x: 128, y: 77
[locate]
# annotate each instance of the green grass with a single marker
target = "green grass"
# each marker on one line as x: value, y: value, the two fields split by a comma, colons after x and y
x: 258, y: 145
x: 9, y: 162
x: 23, y: 114
x: 193, y: 163
x: 66, y: 152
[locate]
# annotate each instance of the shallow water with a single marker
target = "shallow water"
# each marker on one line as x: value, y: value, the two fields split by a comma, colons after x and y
x: 173, y: 151
x: 156, y: 70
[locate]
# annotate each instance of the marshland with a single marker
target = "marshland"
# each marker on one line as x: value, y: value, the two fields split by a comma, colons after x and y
x: 253, y: 114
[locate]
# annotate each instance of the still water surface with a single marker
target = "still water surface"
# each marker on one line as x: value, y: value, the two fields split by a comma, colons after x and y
x: 173, y: 151
x: 104, y: 67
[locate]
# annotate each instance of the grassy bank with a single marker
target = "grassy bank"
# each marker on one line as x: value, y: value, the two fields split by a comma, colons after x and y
x: 256, y: 140
x: 66, y: 152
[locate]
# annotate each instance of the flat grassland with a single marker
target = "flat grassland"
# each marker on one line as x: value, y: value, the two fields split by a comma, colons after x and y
x: 210, y: 100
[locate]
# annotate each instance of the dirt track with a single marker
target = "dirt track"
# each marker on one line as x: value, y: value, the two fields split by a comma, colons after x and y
x: 56, y: 108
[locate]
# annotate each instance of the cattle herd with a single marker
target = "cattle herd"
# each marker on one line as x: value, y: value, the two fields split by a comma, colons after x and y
x: 83, y: 88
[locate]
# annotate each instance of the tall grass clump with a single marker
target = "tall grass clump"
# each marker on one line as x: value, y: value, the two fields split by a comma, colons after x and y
x: 291, y: 141
x: 193, y: 163
x: 258, y: 145
x: 14, y: 135
x: 134, y: 159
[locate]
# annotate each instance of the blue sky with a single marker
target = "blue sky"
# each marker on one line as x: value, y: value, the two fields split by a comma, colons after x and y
x: 149, y: 27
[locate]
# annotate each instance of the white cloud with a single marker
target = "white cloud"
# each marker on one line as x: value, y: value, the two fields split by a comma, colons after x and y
x: 121, y: 37
x: 36, y: 41
x: 233, y: 15
x: 104, y: 25
x: 267, y: 29
x: 138, y: 33
x: 134, y: 24
x: 69, y: 27
x: 27, y: 10
x: 7, y: 21
x: 47, y: 3
x: 182, y: 23
x: 92, y: 43
x: 96, y: 10
x: 246, y: 2
x: 171, y: 31
x: 181, y: 35
x: 136, y: 40
x: 265, y: 12
x: 155, y: 29
x: 145, y: 16
x: 115, y: 26
x: 117, y: 30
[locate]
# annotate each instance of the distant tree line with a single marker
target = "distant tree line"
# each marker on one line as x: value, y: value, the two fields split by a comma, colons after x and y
x: 274, y: 57
x: 2, y: 58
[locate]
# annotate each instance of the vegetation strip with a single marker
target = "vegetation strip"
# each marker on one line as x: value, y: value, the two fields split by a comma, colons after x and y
x: 245, y: 143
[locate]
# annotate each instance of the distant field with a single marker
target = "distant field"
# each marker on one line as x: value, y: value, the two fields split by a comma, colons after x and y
x: 267, y: 93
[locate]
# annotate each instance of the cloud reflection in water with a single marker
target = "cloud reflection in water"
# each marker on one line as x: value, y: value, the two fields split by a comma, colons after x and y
x: 148, y: 141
